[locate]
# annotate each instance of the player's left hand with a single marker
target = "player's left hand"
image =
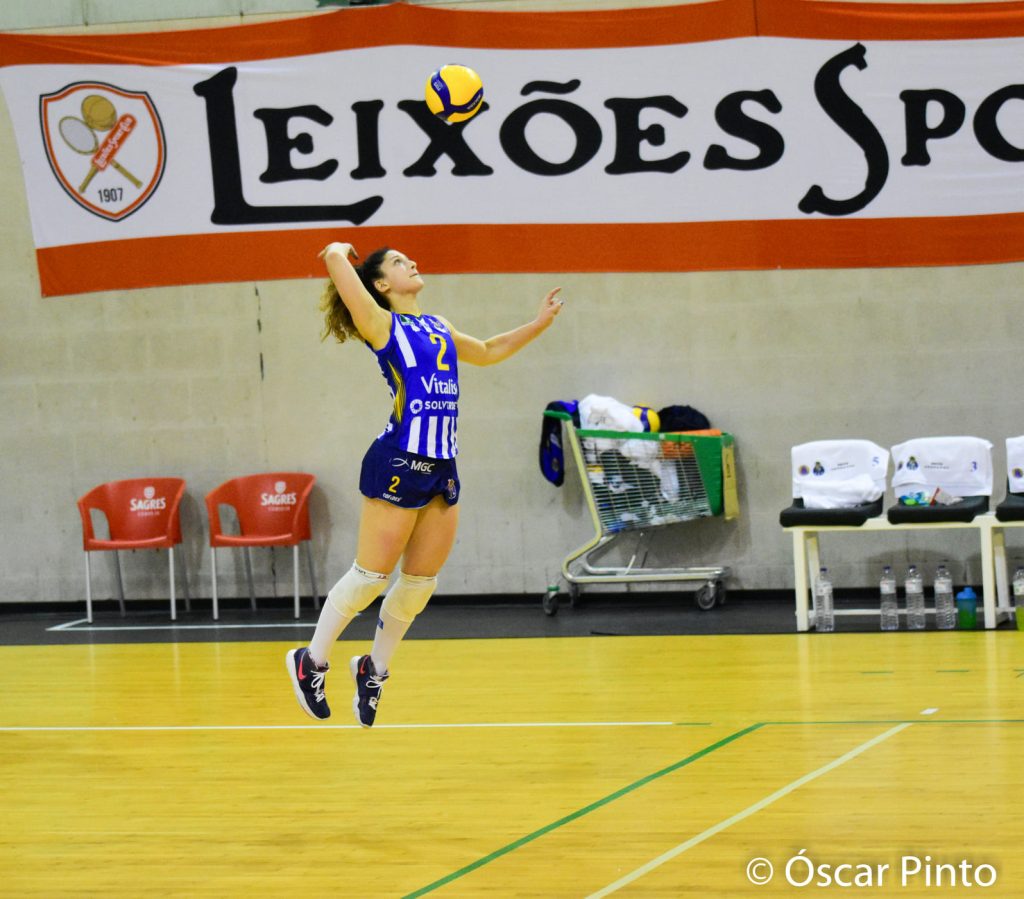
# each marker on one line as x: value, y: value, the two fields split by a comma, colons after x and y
x: 550, y: 306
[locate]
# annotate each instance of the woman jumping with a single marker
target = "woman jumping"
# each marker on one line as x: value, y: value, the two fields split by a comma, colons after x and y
x: 409, y: 482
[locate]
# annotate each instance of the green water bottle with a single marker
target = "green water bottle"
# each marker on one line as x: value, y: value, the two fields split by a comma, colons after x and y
x: 967, y: 609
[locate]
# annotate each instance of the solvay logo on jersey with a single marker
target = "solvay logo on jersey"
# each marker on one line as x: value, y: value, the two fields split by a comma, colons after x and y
x: 279, y: 497
x: 150, y: 503
x: 446, y: 387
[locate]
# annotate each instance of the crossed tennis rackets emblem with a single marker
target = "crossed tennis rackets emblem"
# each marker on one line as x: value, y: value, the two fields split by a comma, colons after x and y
x: 120, y: 136
x: 98, y: 115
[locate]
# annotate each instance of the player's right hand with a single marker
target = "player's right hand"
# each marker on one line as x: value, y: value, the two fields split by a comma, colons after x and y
x: 343, y: 249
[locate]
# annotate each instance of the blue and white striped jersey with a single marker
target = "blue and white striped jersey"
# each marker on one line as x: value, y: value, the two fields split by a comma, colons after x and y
x: 420, y: 366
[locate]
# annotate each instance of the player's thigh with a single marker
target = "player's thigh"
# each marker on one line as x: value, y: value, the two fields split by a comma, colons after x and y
x: 432, y: 538
x: 384, y: 533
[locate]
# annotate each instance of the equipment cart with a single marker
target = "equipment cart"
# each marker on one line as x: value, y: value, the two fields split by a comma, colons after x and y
x: 634, y: 482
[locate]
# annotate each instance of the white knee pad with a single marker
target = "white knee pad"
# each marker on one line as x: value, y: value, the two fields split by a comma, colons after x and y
x: 408, y: 596
x: 356, y: 590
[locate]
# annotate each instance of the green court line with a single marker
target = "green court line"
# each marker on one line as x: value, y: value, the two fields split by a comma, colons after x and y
x: 876, y: 672
x: 586, y: 810
x: 952, y: 670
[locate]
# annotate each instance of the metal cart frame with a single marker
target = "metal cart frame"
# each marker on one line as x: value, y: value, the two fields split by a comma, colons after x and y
x: 613, y: 519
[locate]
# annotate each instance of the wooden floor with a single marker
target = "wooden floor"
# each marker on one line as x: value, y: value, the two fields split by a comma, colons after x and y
x: 650, y: 766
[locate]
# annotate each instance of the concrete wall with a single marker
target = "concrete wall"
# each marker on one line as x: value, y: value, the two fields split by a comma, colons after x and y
x: 208, y: 382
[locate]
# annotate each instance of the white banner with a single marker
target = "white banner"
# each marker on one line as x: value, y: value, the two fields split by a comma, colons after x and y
x: 754, y: 151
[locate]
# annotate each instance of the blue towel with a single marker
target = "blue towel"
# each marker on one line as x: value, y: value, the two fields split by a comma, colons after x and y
x: 552, y: 459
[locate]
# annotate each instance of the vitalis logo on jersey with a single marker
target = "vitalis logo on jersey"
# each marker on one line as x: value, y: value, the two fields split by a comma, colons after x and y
x: 151, y: 504
x: 279, y: 498
x: 105, y: 145
x: 444, y: 386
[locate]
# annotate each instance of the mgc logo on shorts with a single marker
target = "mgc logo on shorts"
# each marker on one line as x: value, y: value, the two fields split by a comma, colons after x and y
x: 421, y: 466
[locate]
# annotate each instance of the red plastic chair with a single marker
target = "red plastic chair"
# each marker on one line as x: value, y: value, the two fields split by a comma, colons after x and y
x: 141, y: 513
x: 272, y: 510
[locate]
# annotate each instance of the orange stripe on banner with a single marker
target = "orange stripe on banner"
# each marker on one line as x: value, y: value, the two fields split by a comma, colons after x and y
x: 400, y: 24
x: 462, y: 249
x: 821, y: 19
x: 393, y: 25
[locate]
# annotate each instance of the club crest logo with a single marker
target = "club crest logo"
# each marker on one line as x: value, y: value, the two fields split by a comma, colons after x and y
x: 105, y: 145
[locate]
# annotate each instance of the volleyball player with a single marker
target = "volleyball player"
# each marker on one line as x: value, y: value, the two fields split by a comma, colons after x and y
x: 409, y: 481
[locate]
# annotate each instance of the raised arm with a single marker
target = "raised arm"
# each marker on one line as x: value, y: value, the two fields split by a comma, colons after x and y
x: 501, y: 346
x: 372, y: 322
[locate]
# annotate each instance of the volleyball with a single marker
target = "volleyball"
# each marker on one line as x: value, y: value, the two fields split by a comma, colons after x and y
x: 454, y: 93
x: 648, y: 418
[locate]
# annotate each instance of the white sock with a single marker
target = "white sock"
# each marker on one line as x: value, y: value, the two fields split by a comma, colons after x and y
x: 329, y: 626
x: 389, y: 634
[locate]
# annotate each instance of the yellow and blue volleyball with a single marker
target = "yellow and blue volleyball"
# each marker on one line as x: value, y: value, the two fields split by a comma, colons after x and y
x: 648, y: 418
x: 454, y: 93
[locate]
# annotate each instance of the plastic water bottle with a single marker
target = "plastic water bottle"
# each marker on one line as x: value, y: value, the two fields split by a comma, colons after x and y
x: 1018, y: 592
x: 1019, y: 596
x: 914, y: 587
x: 890, y: 606
x: 945, y: 604
x: 825, y: 613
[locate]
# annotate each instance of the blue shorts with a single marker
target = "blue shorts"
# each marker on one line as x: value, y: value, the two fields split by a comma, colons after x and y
x: 405, y: 479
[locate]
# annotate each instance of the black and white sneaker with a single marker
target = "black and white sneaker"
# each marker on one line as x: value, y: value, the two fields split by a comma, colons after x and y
x: 308, y: 681
x: 369, y: 685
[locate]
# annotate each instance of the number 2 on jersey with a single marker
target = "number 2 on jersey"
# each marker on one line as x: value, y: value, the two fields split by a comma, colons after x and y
x: 441, y: 364
x: 394, y: 484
